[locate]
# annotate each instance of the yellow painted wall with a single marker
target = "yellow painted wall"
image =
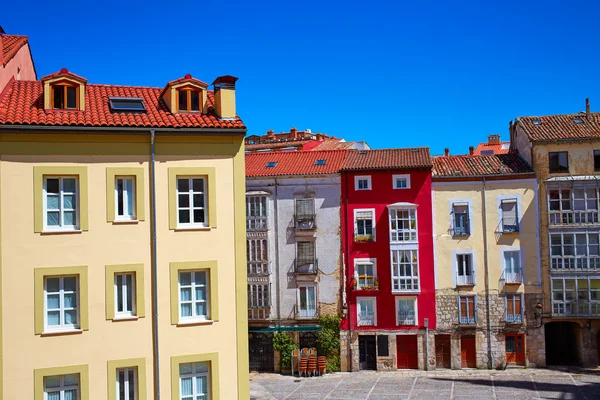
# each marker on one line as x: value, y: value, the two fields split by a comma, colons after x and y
x: 225, y: 103
x: 106, y: 243
x: 445, y: 244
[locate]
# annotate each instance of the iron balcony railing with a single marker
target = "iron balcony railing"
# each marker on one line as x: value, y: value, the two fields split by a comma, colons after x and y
x: 259, y: 313
x: 465, y: 280
x: 305, y: 221
x: 570, y: 217
x: 514, y: 318
x: 306, y: 312
x: 256, y: 224
x: 512, y: 277
x: 461, y: 227
x: 366, y: 319
x: 466, y: 320
x: 364, y: 282
x: 406, y: 318
x: 304, y: 265
x: 575, y: 263
x: 509, y: 225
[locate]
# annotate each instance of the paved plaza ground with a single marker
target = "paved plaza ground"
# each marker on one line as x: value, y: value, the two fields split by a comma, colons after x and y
x: 512, y: 384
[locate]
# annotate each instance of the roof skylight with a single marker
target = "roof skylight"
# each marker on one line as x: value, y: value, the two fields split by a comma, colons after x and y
x: 126, y: 104
x: 537, y: 121
x: 578, y: 120
x: 487, y: 152
x: 320, y: 162
x: 271, y: 164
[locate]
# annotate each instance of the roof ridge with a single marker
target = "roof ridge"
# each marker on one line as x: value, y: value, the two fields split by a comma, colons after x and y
x: 265, y: 153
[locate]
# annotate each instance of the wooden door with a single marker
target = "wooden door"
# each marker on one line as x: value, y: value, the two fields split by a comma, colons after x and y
x: 407, y: 352
x: 467, y: 352
x: 442, y: 351
x: 515, y: 349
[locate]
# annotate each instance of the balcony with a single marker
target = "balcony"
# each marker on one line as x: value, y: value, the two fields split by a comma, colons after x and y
x: 508, y: 225
x: 463, y: 230
x: 361, y: 237
x: 575, y: 263
x: 587, y: 309
x: 256, y: 224
x: 465, y: 280
x: 306, y: 312
x: 366, y: 282
x: 569, y: 217
x: 305, y: 222
x: 466, y: 320
x: 514, y: 318
x: 366, y: 319
x: 259, y: 313
x: 406, y: 318
x: 306, y: 266
x: 512, y: 277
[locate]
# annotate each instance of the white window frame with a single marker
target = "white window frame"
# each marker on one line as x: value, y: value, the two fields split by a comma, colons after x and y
x: 462, y: 202
x: 61, y: 210
x: 512, y: 312
x: 455, y: 275
x: 127, y: 384
x: 414, y: 277
x: 401, y: 232
x: 516, y: 276
x: 373, y: 224
x: 61, y: 308
x: 474, y: 297
x: 124, y: 291
x: 194, y: 375
x: 362, y: 177
x: 569, y: 262
x: 576, y: 305
x: 358, y: 309
x: 415, y: 304
x: 573, y: 216
x: 194, y: 300
x: 299, y: 303
x: 125, y: 216
x: 191, y: 207
x: 257, y: 265
x: 508, y: 198
x: 257, y: 211
x: 63, y: 387
x: 395, y: 179
x: 372, y: 262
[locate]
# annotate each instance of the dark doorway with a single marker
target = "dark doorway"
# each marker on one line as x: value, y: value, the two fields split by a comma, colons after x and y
x: 515, y: 349
x: 308, y: 340
x: 261, y: 352
x: 442, y: 351
x: 598, y: 346
x: 563, y: 343
x: 368, y: 352
x: 468, y: 353
x: 406, y: 346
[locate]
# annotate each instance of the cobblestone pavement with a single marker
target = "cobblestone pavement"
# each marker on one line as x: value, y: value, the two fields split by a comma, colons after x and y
x: 522, y: 384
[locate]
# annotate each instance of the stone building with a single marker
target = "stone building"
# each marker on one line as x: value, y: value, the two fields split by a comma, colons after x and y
x: 293, y: 240
x: 564, y: 151
x: 486, y: 260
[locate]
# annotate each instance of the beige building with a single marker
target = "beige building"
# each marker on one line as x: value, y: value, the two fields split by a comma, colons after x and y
x: 486, y: 260
x: 122, y: 254
x: 564, y: 151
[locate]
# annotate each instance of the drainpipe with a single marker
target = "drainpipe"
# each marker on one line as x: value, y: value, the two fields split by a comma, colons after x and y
x: 345, y: 259
x: 487, y: 279
x: 277, y: 289
x: 154, y: 270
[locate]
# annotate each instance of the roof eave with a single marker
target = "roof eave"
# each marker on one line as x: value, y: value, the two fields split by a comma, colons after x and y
x: 8, y: 128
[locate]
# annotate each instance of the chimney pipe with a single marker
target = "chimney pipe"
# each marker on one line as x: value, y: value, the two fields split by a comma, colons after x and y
x: 270, y: 134
x: 293, y: 133
x: 471, y: 150
x: 587, y: 108
x: 446, y: 152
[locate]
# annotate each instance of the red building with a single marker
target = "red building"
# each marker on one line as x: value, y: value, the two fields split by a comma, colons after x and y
x: 387, y: 243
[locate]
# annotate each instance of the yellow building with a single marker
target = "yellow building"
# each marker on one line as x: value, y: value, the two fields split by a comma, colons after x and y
x: 486, y: 260
x: 564, y: 151
x: 122, y: 253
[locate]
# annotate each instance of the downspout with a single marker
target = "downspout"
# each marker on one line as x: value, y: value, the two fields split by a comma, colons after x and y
x: 277, y: 288
x: 154, y: 270
x: 487, y: 278
x: 346, y: 259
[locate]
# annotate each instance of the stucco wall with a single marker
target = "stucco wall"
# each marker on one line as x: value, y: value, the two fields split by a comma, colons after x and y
x: 20, y: 64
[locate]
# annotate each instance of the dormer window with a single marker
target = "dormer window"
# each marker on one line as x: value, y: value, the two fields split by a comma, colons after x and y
x: 65, y: 97
x: 189, y: 100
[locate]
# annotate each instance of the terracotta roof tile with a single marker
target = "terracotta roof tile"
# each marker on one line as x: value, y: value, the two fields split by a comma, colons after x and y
x: 294, y: 163
x: 11, y: 44
x: 501, y: 148
x: 467, y: 165
x: 561, y: 127
x: 22, y: 104
x: 334, y: 144
x: 388, y: 159
x: 64, y: 72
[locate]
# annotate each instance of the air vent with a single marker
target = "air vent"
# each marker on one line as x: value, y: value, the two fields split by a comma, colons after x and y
x: 126, y: 104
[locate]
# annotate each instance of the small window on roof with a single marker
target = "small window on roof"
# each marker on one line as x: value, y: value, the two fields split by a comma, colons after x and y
x: 188, y: 100
x: 505, y: 146
x: 65, y: 97
x: 537, y: 121
x: 487, y: 152
x: 320, y: 162
x: 271, y: 164
x: 126, y: 104
x: 578, y: 120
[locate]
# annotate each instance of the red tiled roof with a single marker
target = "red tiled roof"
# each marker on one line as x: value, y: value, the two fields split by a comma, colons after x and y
x: 275, y: 145
x: 11, y: 44
x: 294, y: 163
x: 561, y: 127
x: 188, y: 78
x: 496, y: 148
x: 22, y: 104
x: 467, y: 165
x: 388, y: 159
x: 334, y: 144
x: 64, y: 72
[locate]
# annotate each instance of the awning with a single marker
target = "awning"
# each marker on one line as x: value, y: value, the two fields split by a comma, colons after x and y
x: 303, y: 328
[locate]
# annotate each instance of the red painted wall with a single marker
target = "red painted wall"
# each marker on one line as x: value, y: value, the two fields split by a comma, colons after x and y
x: 378, y: 198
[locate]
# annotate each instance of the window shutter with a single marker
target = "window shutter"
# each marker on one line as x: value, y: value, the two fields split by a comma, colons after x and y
x: 364, y: 215
x: 474, y: 308
x: 455, y: 271
x: 305, y: 206
x: 509, y: 209
x: 473, y: 269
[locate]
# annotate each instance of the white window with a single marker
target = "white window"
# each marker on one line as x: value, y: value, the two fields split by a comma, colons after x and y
x: 191, y: 202
x: 403, y: 224
x: 512, y: 266
x: 575, y: 251
x: 61, y: 302
x: 61, y: 203
x: 307, y: 301
x: 125, y: 198
x: 460, y: 219
x: 127, y: 384
x: 365, y: 274
x: 579, y: 205
x: 256, y: 213
x: 258, y: 257
x: 124, y: 295
x: 194, y: 381
x: 406, y: 311
x: 61, y: 387
x: 510, y: 216
x: 305, y: 213
x: 364, y: 225
x: 466, y: 310
x: 193, y: 295
x: 465, y: 271
x: 362, y: 182
x: 366, y: 311
x: 405, y: 271
x: 576, y: 296
x: 401, y: 181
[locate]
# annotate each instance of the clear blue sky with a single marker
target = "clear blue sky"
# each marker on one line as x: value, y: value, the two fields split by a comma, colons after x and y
x: 396, y: 74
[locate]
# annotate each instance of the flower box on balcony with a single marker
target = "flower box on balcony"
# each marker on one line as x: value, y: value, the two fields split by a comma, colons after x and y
x: 363, y: 238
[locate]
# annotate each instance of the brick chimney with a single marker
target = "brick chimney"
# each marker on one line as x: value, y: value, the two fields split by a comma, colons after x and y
x: 293, y: 133
x: 494, y: 139
x: 471, y: 150
x: 588, y: 113
x: 446, y: 152
x: 270, y: 134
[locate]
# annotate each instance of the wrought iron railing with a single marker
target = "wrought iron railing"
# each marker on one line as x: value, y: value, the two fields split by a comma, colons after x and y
x: 306, y: 313
x: 509, y: 225
x: 466, y: 320
x: 465, y: 280
x: 366, y: 319
x: 305, y: 221
x: 512, y: 277
x: 514, y: 318
x: 406, y: 318
x: 461, y: 229
x: 304, y: 265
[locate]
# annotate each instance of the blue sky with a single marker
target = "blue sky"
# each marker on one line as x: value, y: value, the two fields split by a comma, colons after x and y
x: 396, y: 74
